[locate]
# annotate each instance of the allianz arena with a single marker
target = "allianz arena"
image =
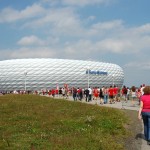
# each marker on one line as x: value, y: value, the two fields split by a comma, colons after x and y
x: 46, y: 73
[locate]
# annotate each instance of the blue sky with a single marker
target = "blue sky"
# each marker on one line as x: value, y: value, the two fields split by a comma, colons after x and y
x: 115, y: 31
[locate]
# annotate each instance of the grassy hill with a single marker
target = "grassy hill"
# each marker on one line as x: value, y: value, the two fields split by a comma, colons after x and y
x: 41, y: 123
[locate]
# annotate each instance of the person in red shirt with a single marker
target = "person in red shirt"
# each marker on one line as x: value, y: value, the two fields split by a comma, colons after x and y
x: 78, y: 93
x: 111, y: 94
x: 124, y: 93
x: 95, y: 93
x: 144, y: 112
x: 53, y: 92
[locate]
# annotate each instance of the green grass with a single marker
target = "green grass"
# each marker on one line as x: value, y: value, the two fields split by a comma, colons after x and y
x: 40, y: 123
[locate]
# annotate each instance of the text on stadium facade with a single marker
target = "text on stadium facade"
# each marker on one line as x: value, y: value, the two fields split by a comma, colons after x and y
x: 96, y: 72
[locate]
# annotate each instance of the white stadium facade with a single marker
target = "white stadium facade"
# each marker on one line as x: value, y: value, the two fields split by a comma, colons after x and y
x: 47, y: 73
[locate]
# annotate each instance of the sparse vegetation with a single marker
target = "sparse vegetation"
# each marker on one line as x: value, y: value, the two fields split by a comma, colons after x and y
x: 41, y: 123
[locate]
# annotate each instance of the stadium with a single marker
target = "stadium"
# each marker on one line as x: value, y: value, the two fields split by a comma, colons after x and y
x: 47, y: 73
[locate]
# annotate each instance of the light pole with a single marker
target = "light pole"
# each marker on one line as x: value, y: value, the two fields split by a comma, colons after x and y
x: 88, y: 75
x: 25, y: 75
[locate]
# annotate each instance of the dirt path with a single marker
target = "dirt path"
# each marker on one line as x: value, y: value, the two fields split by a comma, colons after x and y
x: 136, y: 141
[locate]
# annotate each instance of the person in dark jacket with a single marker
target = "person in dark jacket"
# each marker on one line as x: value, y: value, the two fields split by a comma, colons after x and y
x: 86, y: 95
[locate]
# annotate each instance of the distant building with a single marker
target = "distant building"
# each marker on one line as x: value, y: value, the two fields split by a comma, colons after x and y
x: 46, y: 73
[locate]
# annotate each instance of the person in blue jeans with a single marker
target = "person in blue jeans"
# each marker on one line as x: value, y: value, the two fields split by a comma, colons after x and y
x: 144, y: 112
x: 74, y: 94
x: 105, y: 92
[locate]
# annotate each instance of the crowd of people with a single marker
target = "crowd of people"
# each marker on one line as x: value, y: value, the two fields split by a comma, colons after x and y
x: 110, y: 94
x: 103, y: 95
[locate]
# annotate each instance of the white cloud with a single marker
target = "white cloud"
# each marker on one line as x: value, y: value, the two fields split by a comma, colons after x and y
x: 114, y: 46
x: 35, y: 41
x: 58, y: 22
x: 108, y: 28
x: 114, y: 24
x: 78, y: 2
x: 84, y: 47
x: 122, y: 41
x: 144, y: 29
x: 12, y: 15
x: 85, y: 2
x: 115, y: 37
x: 104, y: 37
x: 38, y: 52
x: 30, y: 40
x: 88, y: 47
x: 139, y: 66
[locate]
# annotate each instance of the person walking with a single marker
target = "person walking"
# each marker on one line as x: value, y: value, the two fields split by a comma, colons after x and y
x: 63, y: 92
x: 105, y: 91
x: 128, y: 93
x: 133, y: 95
x: 78, y: 93
x: 81, y: 94
x: 53, y: 93
x: 111, y: 94
x: 90, y: 94
x: 74, y: 94
x: 144, y: 112
x: 86, y: 95
x: 115, y: 93
x: 95, y: 94
x: 101, y: 96
x: 139, y: 94
x: 124, y: 93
